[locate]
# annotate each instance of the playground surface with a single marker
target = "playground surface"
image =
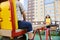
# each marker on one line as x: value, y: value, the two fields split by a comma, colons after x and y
x: 43, y: 37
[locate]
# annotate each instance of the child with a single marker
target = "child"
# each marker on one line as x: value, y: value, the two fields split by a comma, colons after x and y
x: 48, y: 21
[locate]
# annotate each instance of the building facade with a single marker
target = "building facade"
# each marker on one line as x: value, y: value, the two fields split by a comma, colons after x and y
x: 35, y: 11
x: 49, y: 9
x: 52, y: 8
x: 57, y: 9
x: 38, y: 9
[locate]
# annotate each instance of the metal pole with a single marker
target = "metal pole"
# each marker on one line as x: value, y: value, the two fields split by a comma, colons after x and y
x: 39, y: 34
x: 46, y: 34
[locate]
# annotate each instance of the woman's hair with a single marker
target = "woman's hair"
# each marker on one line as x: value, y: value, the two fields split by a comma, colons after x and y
x: 48, y: 16
x: 3, y: 1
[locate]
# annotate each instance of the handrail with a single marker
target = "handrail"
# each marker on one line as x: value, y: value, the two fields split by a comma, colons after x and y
x: 12, y: 17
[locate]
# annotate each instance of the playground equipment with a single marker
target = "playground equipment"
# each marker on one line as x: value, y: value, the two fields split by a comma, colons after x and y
x: 8, y: 22
x: 47, y: 31
x: 47, y: 35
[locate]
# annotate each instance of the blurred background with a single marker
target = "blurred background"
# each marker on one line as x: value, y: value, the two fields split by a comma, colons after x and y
x: 38, y: 9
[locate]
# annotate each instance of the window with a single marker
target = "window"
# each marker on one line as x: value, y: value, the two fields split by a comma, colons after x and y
x: 41, y: 11
x: 36, y: 23
x: 41, y: 1
x: 29, y: 2
x: 33, y: 23
x: 56, y: 11
x: 26, y: 20
x: 29, y: 8
x: 57, y: 0
x: 29, y: 17
x: 32, y: 11
x: 41, y: 4
x: 29, y: 5
x: 29, y: 20
x: 41, y: 8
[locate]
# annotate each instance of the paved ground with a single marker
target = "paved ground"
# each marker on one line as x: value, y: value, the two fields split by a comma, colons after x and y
x: 43, y: 37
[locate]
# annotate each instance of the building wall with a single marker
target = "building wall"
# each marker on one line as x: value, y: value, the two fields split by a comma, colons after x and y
x: 57, y: 10
x: 38, y: 9
x: 52, y: 8
x: 49, y: 10
x: 35, y: 11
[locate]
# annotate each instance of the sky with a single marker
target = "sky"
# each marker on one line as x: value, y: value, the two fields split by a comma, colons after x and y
x: 48, y: 1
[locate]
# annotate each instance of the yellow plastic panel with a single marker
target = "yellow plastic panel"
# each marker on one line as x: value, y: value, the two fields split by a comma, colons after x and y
x: 6, y: 16
x: 6, y: 24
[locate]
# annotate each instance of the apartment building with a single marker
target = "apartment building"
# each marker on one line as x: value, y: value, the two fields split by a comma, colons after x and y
x: 38, y: 9
x: 35, y: 11
x: 50, y: 10
x: 57, y: 9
